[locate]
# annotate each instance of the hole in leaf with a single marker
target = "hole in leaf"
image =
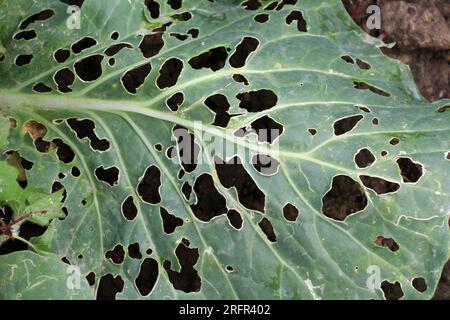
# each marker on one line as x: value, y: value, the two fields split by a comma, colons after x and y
x: 186, y: 189
x: 267, y: 229
x: 285, y: 2
x: 77, y: 3
x: 153, y: 8
x: 363, y: 108
x: 57, y: 186
x: 261, y: 18
x: 394, y: 141
x: 62, y: 55
x: 214, y: 59
x: 251, y: 5
x: 170, y: 152
x: 114, y: 49
x: 64, y: 152
x: 363, y: 65
x: 90, y: 68
x: 312, y: 131
x: 148, y: 187
x: 218, y: 103
x: 64, y: 78
x: 410, y: 171
x: 210, y: 203
x: 375, y: 121
x: 267, y: 129
x: 108, y: 175
x: 129, y: 209
x: 170, y: 221
x: 179, y: 36
x: 25, y: 35
x: 116, y: 255
x: 109, y: 286
x: 135, y: 78
x: 392, y: 291
x: 41, y: 16
x: 83, y: 44
x: 169, y: 73
x: 175, y: 4
x: 134, y: 251
x: 365, y: 86
x: 265, y: 164
x: 147, y: 277
x: 420, y: 284
x: 188, y: 150
x: 229, y: 268
x: 297, y: 16
x: 387, y: 243
x: 85, y: 128
x: 41, y: 87
x: 256, y: 101
x: 151, y: 44
x: 175, y: 101
x: 379, y: 185
x: 187, y: 278
x: 42, y: 145
x: 235, y: 219
x: 23, y: 59
x: 364, y: 158
x: 75, y: 172
x: 347, y: 124
x: 233, y: 174
x: 184, y: 16
x: 193, y: 32
x: 345, y: 197
x: 290, y: 212
x: 115, y: 35
x: 271, y: 6
x: 240, y: 78
x: 91, y: 279
x: 348, y: 59
x: 243, y: 50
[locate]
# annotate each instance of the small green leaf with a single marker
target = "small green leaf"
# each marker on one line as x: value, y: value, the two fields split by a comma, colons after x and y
x: 40, y: 201
x: 10, y: 191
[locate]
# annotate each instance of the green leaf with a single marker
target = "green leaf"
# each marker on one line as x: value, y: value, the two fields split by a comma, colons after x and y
x: 4, y: 131
x: 27, y: 276
x: 313, y: 257
x: 38, y: 201
x: 29, y: 200
x: 10, y: 191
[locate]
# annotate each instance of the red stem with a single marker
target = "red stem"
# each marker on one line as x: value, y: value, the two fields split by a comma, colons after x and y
x: 7, y: 229
x: 356, y: 9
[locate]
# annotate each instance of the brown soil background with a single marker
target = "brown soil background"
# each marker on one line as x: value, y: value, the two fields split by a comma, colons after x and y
x: 421, y: 31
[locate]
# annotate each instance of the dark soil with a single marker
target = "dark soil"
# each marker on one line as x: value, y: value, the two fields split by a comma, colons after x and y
x: 421, y: 31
